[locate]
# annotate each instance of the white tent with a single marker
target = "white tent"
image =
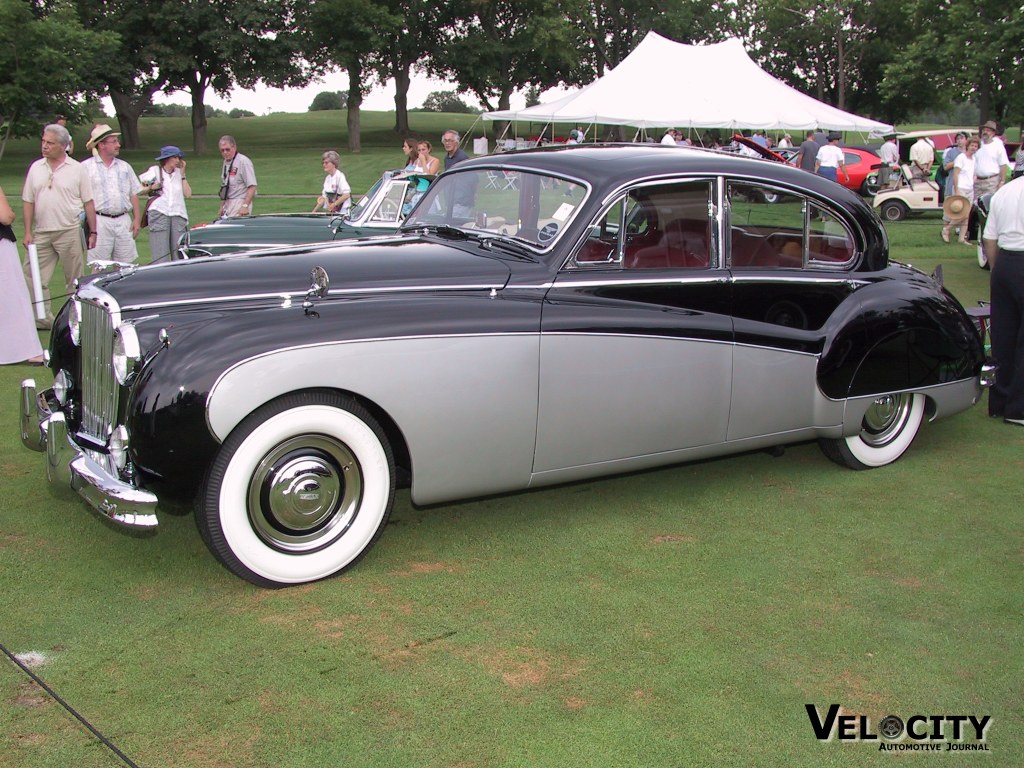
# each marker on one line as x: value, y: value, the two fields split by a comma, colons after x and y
x: 663, y: 84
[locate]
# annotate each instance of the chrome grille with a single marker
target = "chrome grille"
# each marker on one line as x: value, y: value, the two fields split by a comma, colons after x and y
x: 99, y: 388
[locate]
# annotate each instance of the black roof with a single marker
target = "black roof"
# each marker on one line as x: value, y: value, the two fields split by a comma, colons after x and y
x: 612, y: 165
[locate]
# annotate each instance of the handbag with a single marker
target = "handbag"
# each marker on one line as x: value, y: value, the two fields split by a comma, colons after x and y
x: 153, y: 197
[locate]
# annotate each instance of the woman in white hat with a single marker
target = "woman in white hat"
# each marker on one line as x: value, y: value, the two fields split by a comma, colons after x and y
x: 963, y: 185
x: 168, y: 187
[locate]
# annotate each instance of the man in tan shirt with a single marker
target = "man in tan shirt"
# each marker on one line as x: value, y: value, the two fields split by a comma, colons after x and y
x: 56, y: 191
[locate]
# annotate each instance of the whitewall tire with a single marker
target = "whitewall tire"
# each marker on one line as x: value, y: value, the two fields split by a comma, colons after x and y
x: 889, y: 427
x: 299, y: 491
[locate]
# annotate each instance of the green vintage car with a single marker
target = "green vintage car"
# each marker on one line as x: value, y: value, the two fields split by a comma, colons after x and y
x: 379, y: 212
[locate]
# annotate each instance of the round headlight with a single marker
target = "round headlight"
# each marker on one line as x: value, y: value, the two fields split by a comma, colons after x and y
x: 75, y: 322
x: 127, y: 353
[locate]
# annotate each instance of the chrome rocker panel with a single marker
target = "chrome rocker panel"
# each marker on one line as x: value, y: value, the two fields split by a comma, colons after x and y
x: 45, y: 430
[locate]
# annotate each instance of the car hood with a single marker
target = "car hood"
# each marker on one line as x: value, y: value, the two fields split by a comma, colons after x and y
x: 368, y: 266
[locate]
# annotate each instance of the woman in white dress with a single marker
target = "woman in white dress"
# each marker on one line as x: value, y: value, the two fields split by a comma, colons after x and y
x: 19, y: 342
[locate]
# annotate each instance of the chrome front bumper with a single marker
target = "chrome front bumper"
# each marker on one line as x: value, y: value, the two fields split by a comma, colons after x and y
x: 44, y: 429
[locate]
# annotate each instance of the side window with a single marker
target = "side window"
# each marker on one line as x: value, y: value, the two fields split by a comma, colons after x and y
x: 766, y: 227
x: 770, y: 228
x: 664, y: 226
x: 828, y: 241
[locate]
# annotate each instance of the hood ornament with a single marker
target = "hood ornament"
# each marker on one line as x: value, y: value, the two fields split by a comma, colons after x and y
x: 320, y: 285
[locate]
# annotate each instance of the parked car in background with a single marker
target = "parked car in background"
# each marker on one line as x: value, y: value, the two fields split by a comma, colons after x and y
x: 379, y: 212
x: 605, y: 309
x: 862, y: 164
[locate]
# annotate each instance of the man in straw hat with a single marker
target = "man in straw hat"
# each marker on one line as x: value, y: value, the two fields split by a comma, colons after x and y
x: 115, y: 189
x: 56, y: 191
x: 991, y: 163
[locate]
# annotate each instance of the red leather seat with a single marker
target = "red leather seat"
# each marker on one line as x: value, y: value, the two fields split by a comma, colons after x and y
x: 683, y: 245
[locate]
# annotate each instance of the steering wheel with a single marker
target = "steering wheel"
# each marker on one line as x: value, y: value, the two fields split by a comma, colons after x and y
x: 388, y: 209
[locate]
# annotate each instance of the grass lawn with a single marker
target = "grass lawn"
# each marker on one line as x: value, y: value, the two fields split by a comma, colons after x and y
x: 681, y: 617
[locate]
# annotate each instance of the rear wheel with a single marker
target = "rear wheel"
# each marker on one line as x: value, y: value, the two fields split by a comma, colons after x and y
x: 889, y: 427
x: 299, y: 491
x: 894, y: 210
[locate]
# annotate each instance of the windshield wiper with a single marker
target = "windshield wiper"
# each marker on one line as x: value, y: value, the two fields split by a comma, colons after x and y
x: 508, y: 245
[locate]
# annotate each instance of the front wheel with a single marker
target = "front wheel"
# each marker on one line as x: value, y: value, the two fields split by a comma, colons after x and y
x: 894, y: 210
x: 889, y: 427
x: 299, y: 491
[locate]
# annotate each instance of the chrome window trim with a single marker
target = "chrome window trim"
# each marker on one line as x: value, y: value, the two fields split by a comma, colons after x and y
x: 856, y: 235
x: 569, y: 264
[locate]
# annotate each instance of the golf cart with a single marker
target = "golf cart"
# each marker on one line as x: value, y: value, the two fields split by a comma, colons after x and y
x: 907, y: 196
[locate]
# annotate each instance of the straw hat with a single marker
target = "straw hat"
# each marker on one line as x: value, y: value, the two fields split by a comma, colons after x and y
x: 956, y: 207
x: 99, y: 133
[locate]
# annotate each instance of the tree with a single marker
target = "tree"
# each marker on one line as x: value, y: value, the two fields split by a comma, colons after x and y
x: 409, y: 39
x: 220, y: 44
x: 355, y: 52
x: 327, y: 100
x: 500, y: 46
x: 961, y: 51
x: 131, y: 74
x: 49, y: 65
x: 446, y: 101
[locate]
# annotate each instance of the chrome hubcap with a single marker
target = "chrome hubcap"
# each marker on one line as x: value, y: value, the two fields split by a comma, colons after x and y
x: 885, y: 418
x: 305, y: 493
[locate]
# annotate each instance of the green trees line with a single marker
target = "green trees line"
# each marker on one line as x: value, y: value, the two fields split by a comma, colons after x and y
x: 884, y: 58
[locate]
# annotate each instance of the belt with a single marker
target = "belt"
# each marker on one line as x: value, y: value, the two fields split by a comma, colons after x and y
x: 990, y: 176
x: 111, y: 215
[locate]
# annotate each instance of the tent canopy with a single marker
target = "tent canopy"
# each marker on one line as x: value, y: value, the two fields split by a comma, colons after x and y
x: 663, y: 84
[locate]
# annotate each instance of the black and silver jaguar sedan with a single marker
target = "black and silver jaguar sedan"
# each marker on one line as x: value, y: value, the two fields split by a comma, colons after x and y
x: 541, y: 317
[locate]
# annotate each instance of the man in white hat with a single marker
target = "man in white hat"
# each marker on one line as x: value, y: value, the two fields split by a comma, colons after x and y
x: 56, y: 191
x: 991, y: 163
x: 115, y: 190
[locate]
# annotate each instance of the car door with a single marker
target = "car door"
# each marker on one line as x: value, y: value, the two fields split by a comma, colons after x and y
x: 636, y: 344
x: 789, y: 264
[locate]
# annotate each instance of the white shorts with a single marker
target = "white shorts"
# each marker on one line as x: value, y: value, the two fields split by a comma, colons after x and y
x: 114, y: 241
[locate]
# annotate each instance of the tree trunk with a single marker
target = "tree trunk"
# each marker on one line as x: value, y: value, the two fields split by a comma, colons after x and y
x: 127, y: 114
x: 402, y: 81
x: 198, y: 90
x: 128, y: 108
x: 355, y: 102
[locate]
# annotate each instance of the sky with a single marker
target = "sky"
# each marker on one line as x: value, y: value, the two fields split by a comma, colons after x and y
x: 264, y: 100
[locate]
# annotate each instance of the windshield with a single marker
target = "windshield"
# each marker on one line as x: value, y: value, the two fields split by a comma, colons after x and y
x: 364, y: 201
x: 530, y: 207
